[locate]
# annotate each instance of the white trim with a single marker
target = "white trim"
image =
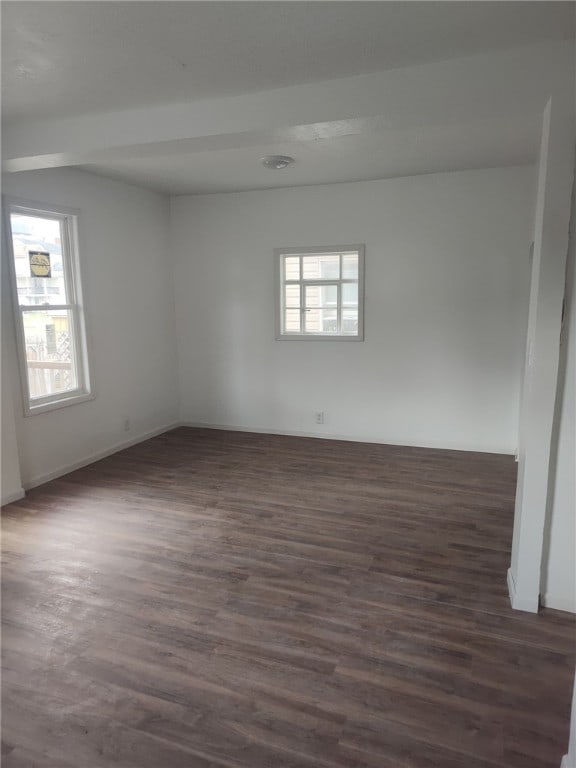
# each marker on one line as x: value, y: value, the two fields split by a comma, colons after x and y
x: 11, y: 497
x: 316, y: 337
x: 517, y: 602
x: 560, y: 604
x: 72, y: 398
x: 64, y: 470
x: 41, y: 479
x: 35, y: 206
x: 68, y: 221
x: 280, y: 282
x: 511, y: 586
x: 566, y: 763
x: 347, y: 438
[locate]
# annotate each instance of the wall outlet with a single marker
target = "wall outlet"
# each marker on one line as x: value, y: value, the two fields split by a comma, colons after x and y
x: 126, y: 425
x: 319, y: 417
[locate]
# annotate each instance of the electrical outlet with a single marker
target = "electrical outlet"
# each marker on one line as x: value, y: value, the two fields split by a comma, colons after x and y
x: 319, y: 417
x: 126, y: 425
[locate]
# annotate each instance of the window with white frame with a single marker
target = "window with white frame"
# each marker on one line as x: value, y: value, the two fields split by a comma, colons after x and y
x: 47, y: 298
x: 321, y: 293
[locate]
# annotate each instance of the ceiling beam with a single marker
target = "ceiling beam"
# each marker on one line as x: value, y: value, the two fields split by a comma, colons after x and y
x: 477, y: 87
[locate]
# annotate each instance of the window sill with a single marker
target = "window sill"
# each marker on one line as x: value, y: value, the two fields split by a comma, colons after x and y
x: 53, y: 405
x: 317, y: 337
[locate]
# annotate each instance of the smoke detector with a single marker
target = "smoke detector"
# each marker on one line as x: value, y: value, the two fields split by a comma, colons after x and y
x: 276, y: 162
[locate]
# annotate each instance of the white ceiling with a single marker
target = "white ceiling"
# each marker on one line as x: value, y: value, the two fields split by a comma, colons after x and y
x: 70, y: 58
x: 140, y: 91
x: 357, y: 157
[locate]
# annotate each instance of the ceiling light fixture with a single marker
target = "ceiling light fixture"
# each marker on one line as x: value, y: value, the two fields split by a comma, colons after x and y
x: 276, y: 162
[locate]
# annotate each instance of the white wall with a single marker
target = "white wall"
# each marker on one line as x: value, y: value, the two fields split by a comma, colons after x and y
x: 447, y: 274
x: 123, y: 233
x: 11, y: 485
x: 559, y: 563
x: 11, y: 481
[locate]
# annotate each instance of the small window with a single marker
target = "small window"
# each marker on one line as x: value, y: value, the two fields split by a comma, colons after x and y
x: 321, y: 293
x: 48, y: 304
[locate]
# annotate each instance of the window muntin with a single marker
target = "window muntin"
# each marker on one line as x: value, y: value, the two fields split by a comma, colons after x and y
x: 47, y: 298
x: 321, y: 293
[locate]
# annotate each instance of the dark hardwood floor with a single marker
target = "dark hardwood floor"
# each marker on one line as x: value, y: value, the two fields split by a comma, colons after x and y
x: 252, y: 601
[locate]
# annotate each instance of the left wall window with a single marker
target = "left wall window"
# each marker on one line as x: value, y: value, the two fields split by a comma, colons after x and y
x: 47, y: 297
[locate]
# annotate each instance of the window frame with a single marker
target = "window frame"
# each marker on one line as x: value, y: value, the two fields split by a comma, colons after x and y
x: 280, y: 283
x: 75, y: 305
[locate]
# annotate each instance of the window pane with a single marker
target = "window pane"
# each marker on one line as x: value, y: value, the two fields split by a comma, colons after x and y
x: 349, y: 322
x: 350, y: 294
x: 312, y: 321
x: 322, y: 266
x: 350, y: 266
x: 329, y: 321
x: 321, y: 295
x: 291, y: 295
x: 292, y: 267
x: 38, y: 260
x: 321, y: 321
x: 291, y: 321
x: 50, y: 355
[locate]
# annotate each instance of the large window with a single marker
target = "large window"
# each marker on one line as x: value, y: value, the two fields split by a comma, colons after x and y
x: 321, y: 293
x: 48, y: 303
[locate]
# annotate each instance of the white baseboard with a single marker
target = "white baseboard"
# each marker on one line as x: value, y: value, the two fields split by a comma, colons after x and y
x: 517, y: 601
x: 531, y: 606
x: 345, y: 438
x: 558, y: 603
x: 64, y: 470
x: 9, y: 498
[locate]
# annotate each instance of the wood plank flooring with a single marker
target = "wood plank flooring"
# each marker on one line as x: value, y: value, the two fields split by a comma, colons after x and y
x: 214, y: 599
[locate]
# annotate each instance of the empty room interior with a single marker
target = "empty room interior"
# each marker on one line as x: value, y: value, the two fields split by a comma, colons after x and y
x: 288, y: 384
